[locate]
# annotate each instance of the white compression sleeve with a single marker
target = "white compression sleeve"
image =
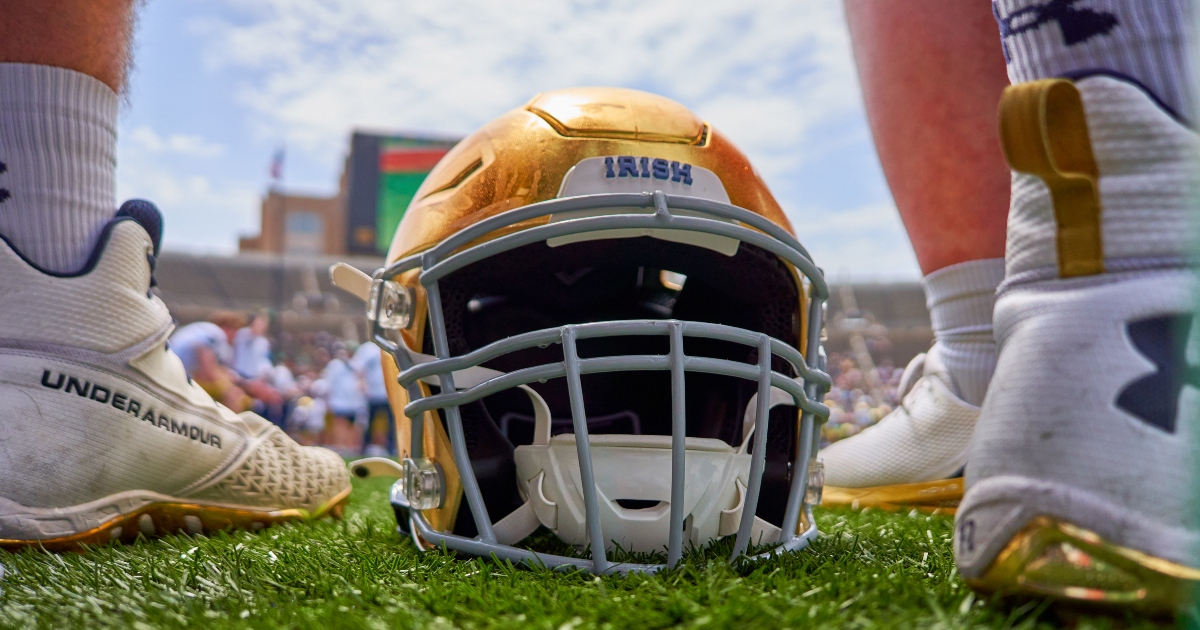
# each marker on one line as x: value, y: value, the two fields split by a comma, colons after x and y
x: 58, y: 142
x: 1148, y: 41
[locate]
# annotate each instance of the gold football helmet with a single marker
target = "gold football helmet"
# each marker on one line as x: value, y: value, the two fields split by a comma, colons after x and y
x: 601, y: 325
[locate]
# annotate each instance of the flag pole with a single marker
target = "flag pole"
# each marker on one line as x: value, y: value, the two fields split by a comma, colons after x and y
x: 276, y: 319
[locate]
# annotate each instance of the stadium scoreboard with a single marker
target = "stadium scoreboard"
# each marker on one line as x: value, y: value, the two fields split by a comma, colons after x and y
x: 383, y: 173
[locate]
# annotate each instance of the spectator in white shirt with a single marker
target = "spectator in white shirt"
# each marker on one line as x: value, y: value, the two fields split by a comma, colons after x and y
x: 368, y: 362
x: 307, y: 419
x: 346, y: 398
x: 204, y: 349
x: 252, y: 360
x: 252, y: 349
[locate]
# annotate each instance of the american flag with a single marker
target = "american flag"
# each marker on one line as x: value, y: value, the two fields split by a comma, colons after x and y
x: 277, y: 165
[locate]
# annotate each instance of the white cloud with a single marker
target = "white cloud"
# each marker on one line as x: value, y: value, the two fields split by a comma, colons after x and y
x: 183, y: 144
x: 200, y: 215
x: 775, y: 76
x: 765, y: 71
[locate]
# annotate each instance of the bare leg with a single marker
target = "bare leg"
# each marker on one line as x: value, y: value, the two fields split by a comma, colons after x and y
x: 88, y: 36
x: 932, y: 75
x: 932, y: 72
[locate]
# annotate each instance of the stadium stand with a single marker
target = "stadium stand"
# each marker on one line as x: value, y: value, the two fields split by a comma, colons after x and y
x: 891, y: 317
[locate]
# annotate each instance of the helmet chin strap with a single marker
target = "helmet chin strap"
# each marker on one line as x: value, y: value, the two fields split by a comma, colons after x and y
x: 463, y: 379
x: 524, y: 520
x: 778, y: 397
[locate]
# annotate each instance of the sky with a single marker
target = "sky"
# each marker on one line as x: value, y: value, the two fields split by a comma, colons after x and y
x: 219, y: 86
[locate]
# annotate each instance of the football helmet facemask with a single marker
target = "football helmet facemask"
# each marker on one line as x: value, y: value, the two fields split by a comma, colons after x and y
x: 601, y: 324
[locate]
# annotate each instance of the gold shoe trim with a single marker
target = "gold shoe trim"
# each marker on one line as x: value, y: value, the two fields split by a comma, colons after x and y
x: 173, y: 517
x: 1043, y: 130
x: 1053, y: 558
x: 941, y: 496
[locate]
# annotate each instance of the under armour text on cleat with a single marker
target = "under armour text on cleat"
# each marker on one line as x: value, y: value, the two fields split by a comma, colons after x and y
x: 1079, y: 474
x: 914, y: 456
x: 103, y: 437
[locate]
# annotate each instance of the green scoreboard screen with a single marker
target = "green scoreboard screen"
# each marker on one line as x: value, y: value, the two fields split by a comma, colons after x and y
x: 383, y: 173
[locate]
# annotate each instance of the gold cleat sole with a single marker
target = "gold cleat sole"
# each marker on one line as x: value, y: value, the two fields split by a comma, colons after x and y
x: 938, y: 497
x: 1052, y: 558
x: 163, y: 518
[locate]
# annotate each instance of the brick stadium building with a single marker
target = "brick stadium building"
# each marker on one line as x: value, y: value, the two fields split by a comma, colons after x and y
x: 381, y: 174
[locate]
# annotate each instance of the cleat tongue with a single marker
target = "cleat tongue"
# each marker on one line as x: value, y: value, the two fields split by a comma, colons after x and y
x: 148, y: 216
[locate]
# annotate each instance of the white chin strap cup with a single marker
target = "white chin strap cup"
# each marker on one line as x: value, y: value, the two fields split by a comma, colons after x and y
x: 633, y: 474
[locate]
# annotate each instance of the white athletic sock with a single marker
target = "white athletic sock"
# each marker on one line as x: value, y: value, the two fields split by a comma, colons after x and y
x: 960, y: 299
x: 1147, y: 41
x: 58, y: 148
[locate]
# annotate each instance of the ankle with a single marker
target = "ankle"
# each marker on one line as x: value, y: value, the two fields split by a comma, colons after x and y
x: 961, y: 299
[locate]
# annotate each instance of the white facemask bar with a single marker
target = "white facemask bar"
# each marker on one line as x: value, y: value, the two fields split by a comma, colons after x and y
x: 445, y: 259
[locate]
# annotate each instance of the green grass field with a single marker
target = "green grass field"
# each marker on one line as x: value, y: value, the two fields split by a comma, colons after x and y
x: 870, y: 569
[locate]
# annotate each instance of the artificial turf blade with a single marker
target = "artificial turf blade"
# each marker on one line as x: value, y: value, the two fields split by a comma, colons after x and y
x: 869, y: 569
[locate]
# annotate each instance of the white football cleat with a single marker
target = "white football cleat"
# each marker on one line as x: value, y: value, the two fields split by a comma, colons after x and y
x: 1079, y: 476
x: 103, y: 437
x: 914, y: 456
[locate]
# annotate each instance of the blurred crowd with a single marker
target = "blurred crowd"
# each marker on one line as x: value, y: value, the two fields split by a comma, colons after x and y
x: 324, y: 390
x: 316, y: 387
x: 859, y: 398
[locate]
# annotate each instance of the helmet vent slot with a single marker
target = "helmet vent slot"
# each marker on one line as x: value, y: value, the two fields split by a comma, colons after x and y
x: 458, y: 179
x: 638, y: 504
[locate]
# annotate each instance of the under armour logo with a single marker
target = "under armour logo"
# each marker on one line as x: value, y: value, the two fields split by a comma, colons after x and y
x: 4, y: 194
x: 1155, y: 398
x: 1077, y: 25
x: 966, y: 535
